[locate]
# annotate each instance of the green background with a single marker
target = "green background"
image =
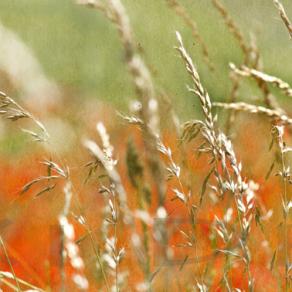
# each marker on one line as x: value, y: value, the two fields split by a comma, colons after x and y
x: 80, y: 49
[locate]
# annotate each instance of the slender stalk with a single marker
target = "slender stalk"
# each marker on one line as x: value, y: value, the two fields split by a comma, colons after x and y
x: 183, y: 13
x: 116, y: 13
x: 279, y: 132
x: 9, y: 263
x: 284, y: 16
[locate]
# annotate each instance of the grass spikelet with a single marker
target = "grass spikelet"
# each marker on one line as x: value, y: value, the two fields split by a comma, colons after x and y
x: 199, y: 89
x: 255, y: 109
x: 105, y: 157
x: 261, y: 76
x: 284, y: 16
x: 5, y: 276
x: 69, y: 247
x: 11, y: 110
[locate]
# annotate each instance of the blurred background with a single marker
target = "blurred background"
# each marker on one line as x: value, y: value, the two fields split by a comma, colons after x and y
x: 80, y: 51
x: 65, y: 62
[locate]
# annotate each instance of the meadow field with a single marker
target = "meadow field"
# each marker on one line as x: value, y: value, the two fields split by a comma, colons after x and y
x: 145, y: 145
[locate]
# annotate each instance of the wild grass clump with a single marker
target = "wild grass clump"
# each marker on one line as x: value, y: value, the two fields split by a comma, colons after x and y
x: 147, y: 209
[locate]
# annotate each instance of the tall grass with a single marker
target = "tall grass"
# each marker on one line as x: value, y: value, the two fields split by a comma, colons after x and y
x: 185, y: 208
